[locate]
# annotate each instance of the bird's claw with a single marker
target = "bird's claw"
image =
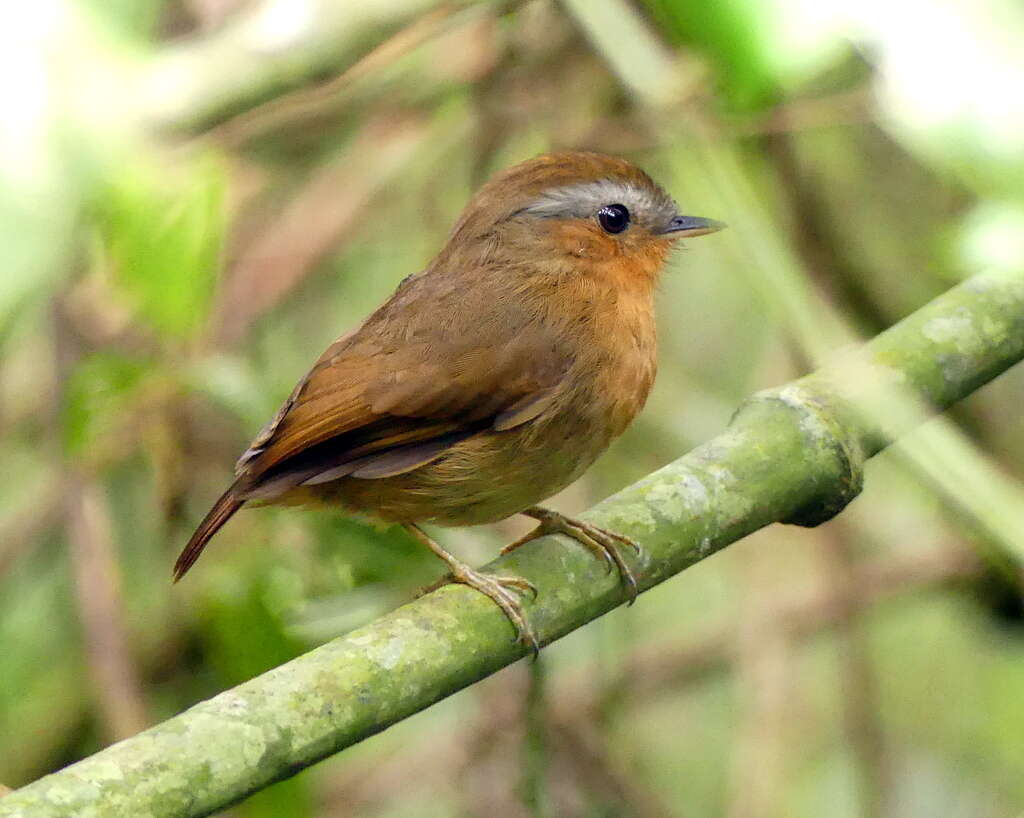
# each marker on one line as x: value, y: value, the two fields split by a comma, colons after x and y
x: 599, y: 540
x: 503, y: 592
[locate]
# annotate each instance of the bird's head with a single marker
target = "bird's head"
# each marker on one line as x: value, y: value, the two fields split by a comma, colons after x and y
x: 584, y: 210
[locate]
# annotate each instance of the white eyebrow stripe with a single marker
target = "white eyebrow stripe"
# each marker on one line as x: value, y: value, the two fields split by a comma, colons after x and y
x: 570, y: 198
x: 582, y: 200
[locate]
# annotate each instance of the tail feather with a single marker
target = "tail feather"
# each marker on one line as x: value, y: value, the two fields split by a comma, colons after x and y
x: 221, y: 512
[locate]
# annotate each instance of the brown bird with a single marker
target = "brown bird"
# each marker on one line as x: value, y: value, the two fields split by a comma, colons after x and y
x: 492, y: 379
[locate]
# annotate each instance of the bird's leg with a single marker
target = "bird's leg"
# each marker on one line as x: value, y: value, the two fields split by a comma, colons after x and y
x: 599, y: 540
x: 502, y: 590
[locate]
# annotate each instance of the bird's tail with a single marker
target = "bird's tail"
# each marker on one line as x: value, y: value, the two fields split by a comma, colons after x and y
x: 221, y: 512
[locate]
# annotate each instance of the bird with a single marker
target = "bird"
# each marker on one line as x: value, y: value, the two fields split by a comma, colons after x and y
x: 490, y: 380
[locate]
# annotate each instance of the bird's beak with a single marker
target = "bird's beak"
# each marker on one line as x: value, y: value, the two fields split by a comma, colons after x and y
x: 689, y: 226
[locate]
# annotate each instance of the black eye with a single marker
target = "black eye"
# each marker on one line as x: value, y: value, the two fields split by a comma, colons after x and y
x: 614, y: 218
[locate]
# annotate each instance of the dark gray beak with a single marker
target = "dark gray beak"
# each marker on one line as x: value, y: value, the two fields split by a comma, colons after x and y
x: 689, y: 226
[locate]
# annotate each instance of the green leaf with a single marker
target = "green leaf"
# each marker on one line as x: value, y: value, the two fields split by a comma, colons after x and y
x: 736, y: 35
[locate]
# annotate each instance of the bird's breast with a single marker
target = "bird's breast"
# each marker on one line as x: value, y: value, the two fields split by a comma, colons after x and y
x: 623, y: 355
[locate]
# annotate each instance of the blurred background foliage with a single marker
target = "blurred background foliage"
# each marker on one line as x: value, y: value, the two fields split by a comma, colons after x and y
x: 196, y: 196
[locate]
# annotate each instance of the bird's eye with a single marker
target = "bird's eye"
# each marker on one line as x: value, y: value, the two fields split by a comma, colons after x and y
x: 614, y: 218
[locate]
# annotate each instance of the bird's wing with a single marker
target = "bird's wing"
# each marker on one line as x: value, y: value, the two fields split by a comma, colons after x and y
x: 388, y: 399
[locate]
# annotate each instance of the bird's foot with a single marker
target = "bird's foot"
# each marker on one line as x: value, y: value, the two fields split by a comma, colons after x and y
x: 599, y: 540
x: 505, y: 592
x: 502, y: 590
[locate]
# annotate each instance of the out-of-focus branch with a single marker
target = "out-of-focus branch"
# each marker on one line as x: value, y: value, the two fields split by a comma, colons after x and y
x: 308, y: 102
x: 115, y: 681
x: 795, y: 453
x: 844, y: 107
x: 288, y: 248
x: 767, y: 700
x: 263, y: 52
x: 587, y: 753
x: 857, y: 681
x: 22, y: 530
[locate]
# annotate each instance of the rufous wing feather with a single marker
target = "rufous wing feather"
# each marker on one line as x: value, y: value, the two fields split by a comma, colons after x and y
x: 398, y: 409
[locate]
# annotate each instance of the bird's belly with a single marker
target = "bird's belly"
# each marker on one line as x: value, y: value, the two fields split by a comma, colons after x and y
x: 481, y: 480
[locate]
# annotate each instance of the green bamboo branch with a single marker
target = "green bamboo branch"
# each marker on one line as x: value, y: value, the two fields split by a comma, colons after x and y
x: 794, y: 453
